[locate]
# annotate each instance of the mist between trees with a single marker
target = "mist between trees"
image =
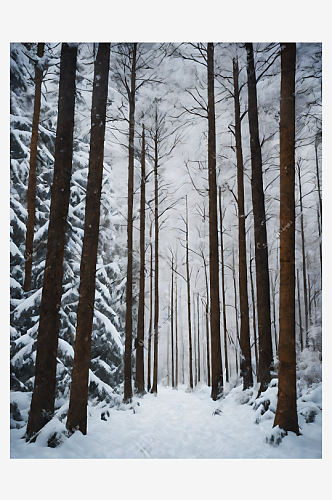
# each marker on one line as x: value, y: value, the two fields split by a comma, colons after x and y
x: 166, y: 222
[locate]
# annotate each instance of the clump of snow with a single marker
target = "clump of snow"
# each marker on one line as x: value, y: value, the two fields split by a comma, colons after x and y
x: 309, y: 369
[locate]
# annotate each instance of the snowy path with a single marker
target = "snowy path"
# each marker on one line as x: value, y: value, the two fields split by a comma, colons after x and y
x: 176, y: 424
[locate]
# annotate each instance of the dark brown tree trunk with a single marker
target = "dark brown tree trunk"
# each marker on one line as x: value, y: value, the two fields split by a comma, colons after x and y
x: 77, y: 414
x: 235, y: 305
x: 216, y: 361
x: 191, y: 381
x: 128, y: 391
x: 223, y: 286
x: 42, y: 403
x: 150, y: 324
x: 245, y: 365
x: 31, y: 194
x: 261, y: 250
x: 286, y: 414
x: 139, y: 381
x: 156, y: 297
x: 304, y: 267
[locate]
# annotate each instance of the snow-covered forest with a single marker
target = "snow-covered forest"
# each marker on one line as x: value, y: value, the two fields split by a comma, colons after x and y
x: 202, y: 331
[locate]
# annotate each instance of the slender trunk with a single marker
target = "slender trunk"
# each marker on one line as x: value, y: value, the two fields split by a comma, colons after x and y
x: 139, y: 381
x: 304, y: 267
x: 245, y: 368
x: 261, y: 249
x: 299, y: 304
x: 223, y: 285
x: 77, y: 414
x: 156, y: 299
x: 286, y: 414
x: 216, y: 361
x: 198, y: 346
x: 31, y: 194
x: 191, y: 382
x: 128, y: 390
x: 176, y: 335
x: 151, y: 309
x: 42, y: 403
x: 254, y: 320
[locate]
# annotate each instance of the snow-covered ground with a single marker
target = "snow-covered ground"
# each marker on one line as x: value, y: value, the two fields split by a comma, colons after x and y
x: 180, y: 425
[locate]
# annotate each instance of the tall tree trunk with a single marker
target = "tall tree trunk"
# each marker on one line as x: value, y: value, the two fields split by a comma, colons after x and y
x: 261, y: 250
x: 156, y: 227
x: 42, y: 403
x: 31, y: 194
x: 304, y: 267
x: 245, y: 367
x: 191, y: 381
x: 286, y: 414
x: 139, y: 380
x: 216, y: 361
x: 150, y: 323
x: 128, y: 391
x: 223, y: 285
x: 77, y: 414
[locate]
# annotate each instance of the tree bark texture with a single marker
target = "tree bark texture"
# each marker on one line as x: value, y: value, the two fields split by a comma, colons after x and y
x: 31, y: 194
x: 216, y: 361
x: 42, y: 403
x: 77, y: 414
x: 128, y: 391
x: 245, y: 365
x: 139, y: 381
x: 261, y: 250
x: 286, y: 413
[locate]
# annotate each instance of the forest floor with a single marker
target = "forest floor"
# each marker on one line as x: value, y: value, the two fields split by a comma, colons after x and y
x: 180, y: 424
